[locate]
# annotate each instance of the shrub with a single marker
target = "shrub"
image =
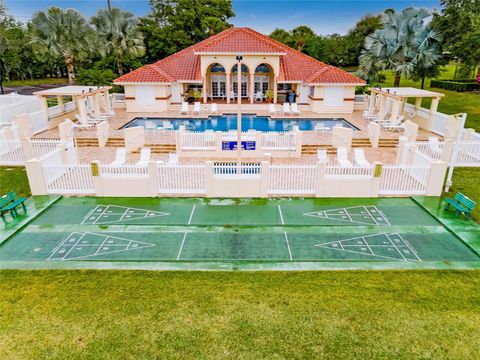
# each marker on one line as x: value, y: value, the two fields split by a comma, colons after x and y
x: 460, y: 85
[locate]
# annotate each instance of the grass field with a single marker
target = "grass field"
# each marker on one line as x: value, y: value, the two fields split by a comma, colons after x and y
x: 303, y: 315
x: 14, y: 178
x: 34, y: 82
x: 453, y: 102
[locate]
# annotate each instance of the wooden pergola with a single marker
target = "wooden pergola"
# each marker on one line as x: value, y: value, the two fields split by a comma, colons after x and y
x: 399, y: 97
x: 81, y: 96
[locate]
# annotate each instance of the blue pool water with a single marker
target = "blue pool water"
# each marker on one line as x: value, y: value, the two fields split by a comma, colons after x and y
x: 249, y: 121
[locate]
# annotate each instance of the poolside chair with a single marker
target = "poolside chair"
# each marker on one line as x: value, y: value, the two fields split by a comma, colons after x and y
x: 120, y: 157
x: 295, y: 110
x: 259, y: 96
x: 197, y: 108
x: 398, y: 126
x: 213, y: 109
x: 433, y: 144
x: 90, y: 123
x: 359, y: 155
x: 79, y: 126
x: 271, y: 109
x: 320, y: 129
x: 167, y: 125
x: 322, y: 155
x: 286, y: 109
x: 144, y: 157
x: 342, y: 157
x: 172, y: 158
x: 184, y: 109
x: 150, y: 125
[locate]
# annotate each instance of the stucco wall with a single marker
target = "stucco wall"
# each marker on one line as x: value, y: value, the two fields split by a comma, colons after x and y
x: 318, y: 104
x: 162, y: 94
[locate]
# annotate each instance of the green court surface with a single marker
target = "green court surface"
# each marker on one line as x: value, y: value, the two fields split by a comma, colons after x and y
x: 173, y: 233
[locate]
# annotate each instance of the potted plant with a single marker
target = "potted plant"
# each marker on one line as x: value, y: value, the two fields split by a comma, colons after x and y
x: 269, y: 95
x: 197, y: 94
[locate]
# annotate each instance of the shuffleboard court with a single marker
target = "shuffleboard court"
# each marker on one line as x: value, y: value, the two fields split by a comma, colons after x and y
x: 107, y: 230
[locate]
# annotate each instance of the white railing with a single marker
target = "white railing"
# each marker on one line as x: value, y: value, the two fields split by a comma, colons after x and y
x: 343, y: 171
x: 123, y: 170
x: 39, y: 121
x: 233, y: 168
x: 292, y: 179
x: 467, y: 154
x: 69, y: 106
x: 55, y: 110
x: 43, y: 147
x: 278, y: 140
x: 11, y: 153
x: 69, y: 179
x: 431, y: 150
x: 197, y: 140
x: 404, y: 180
x: 475, y: 138
x: 181, y: 178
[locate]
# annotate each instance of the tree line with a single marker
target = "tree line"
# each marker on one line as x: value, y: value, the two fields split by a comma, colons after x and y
x: 64, y: 43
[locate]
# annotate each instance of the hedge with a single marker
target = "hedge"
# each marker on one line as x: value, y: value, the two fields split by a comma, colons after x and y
x: 460, y: 85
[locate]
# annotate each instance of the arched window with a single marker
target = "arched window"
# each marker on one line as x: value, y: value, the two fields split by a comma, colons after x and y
x: 244, y: 68
x: 217, y: 68
x: 262, y: 68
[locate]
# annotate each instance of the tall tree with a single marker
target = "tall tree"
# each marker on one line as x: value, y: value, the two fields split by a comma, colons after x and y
x: 282, y: 36
x: 404, y: 44
x: 118, y: 35
x: 355, y: 37
x: 459, y: 23
x: 176, y: 24
x: 62, y: 32
x: 301, y: 35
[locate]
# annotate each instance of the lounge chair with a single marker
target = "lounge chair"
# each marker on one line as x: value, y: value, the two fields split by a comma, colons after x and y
x: 322, y: 155
x: 342, y: 157
x: 120, y: 157
x: 359, y: 156
x: 79, y: 126
x: 172, y: 158
x: 196, y: 108
x: 167, y: 125
x: 271, y: 109
x: 144, y: 157
x: 90, y: 122
x: 184, y: 109
x: 398, y: 126
x: 295, y: 110
x: 320, y: 128
x: 286, y: 109
x: 150, y: 125
x: 213, y: 109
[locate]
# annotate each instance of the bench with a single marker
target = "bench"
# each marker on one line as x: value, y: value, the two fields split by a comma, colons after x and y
x: 9, y: 203
x: 462, y: 204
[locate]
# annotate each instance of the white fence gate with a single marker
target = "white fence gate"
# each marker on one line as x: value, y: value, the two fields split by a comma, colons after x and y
x: 294, y: 179
x: 404, y: 179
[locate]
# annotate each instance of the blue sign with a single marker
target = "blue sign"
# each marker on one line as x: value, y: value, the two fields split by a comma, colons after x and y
x: 232, y: 145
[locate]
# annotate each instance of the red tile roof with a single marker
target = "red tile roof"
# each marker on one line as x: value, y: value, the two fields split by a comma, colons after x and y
x: 294, y: 65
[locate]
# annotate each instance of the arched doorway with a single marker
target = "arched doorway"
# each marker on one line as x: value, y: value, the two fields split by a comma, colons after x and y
x: 244, y: 81
x: 262, y: 79
x: 218, y: 81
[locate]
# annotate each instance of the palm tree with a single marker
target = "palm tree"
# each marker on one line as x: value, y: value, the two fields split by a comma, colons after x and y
x: 405, y: 44
x: 62, y: 32
x: 118, y: 35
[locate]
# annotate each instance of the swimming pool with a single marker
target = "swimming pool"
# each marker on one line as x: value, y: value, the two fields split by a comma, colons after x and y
x: 229, y: 122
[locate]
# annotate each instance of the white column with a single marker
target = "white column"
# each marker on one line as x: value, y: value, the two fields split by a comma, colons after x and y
x: 371, y: 105
x: 436, y: 178
x: 82, y: 111
x: 418, y: 103
x: 96, y: 104
x: 252, y: 87
x: 228, y: 85
x: 204, y: 89
x: 106, y: 97
x: 60, y: 102
x: 275, y: 89
x: 36, y: 177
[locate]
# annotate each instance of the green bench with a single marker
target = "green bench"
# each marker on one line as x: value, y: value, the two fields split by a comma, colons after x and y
x: 461, y: 203
x: 9, y: 204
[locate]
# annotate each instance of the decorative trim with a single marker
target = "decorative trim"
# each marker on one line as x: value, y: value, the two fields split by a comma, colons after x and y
x: 314, y: 98
x: 163, y: 98
x: 129, y: 97
x: 349, y: 99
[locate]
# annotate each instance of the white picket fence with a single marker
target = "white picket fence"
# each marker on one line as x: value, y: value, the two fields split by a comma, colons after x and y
x: 432, y: 150
x: 467, y: 154
x: 233, y: 168
x: 69, y: 179
x: 278, y: 140
x: 123, y: 170
x: 42, y: 147
x: 292, y: 179
x: 350, y: 171
x: 11, y: 153
x: 404, y: 179
x: 181, y: 178
x: 193, y: 140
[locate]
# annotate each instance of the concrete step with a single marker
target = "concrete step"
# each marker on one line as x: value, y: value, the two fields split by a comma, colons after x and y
x: 312, y: 149
x: 159, y: 148
x: 115, y: 142
x: 86, y: 142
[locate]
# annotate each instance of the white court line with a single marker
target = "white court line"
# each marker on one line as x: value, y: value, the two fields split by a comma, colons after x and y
x: 100, y: 216
x: 288, y: 246
x: 181, y: 246
x: 68, y: 252
x: 409, y: 246
x: 191, y: 214
x: 90, y: 213
x: 398, y: 250
x: 281, y: 215
x: 59, y: 245
x: 98, y: 249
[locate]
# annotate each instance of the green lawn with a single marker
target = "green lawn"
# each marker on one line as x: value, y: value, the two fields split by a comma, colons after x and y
x: 466, y: 180
x: 278, y: 315
x: 453, y: 102
x: 34, y: 82
x: 14, y: 178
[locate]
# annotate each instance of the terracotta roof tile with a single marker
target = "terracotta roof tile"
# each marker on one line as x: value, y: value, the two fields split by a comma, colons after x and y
x: 294, y: 65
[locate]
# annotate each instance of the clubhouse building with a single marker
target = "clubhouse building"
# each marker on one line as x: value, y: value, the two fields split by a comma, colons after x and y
x: 271, y: 71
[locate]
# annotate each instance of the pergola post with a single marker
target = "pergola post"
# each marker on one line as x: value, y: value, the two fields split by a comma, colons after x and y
x: 60, y: 102
x: 252, y: 88
x: 371, y: 105
x: 82, y: 110
x: 418, y: 103
x: 45, y: 106
x: 395, y: 111
x: 434, y: 105
x: 381, y: 109
x: 106, y: 97
x: 227, y: 85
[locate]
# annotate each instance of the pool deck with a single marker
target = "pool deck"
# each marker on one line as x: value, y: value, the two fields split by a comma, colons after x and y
x: 87, y: 154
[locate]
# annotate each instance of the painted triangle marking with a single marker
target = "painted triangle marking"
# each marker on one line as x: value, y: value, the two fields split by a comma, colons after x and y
x: 367, y: 215
x: 89, y: 244
x: 107, y: 214
x: 383, y: 245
